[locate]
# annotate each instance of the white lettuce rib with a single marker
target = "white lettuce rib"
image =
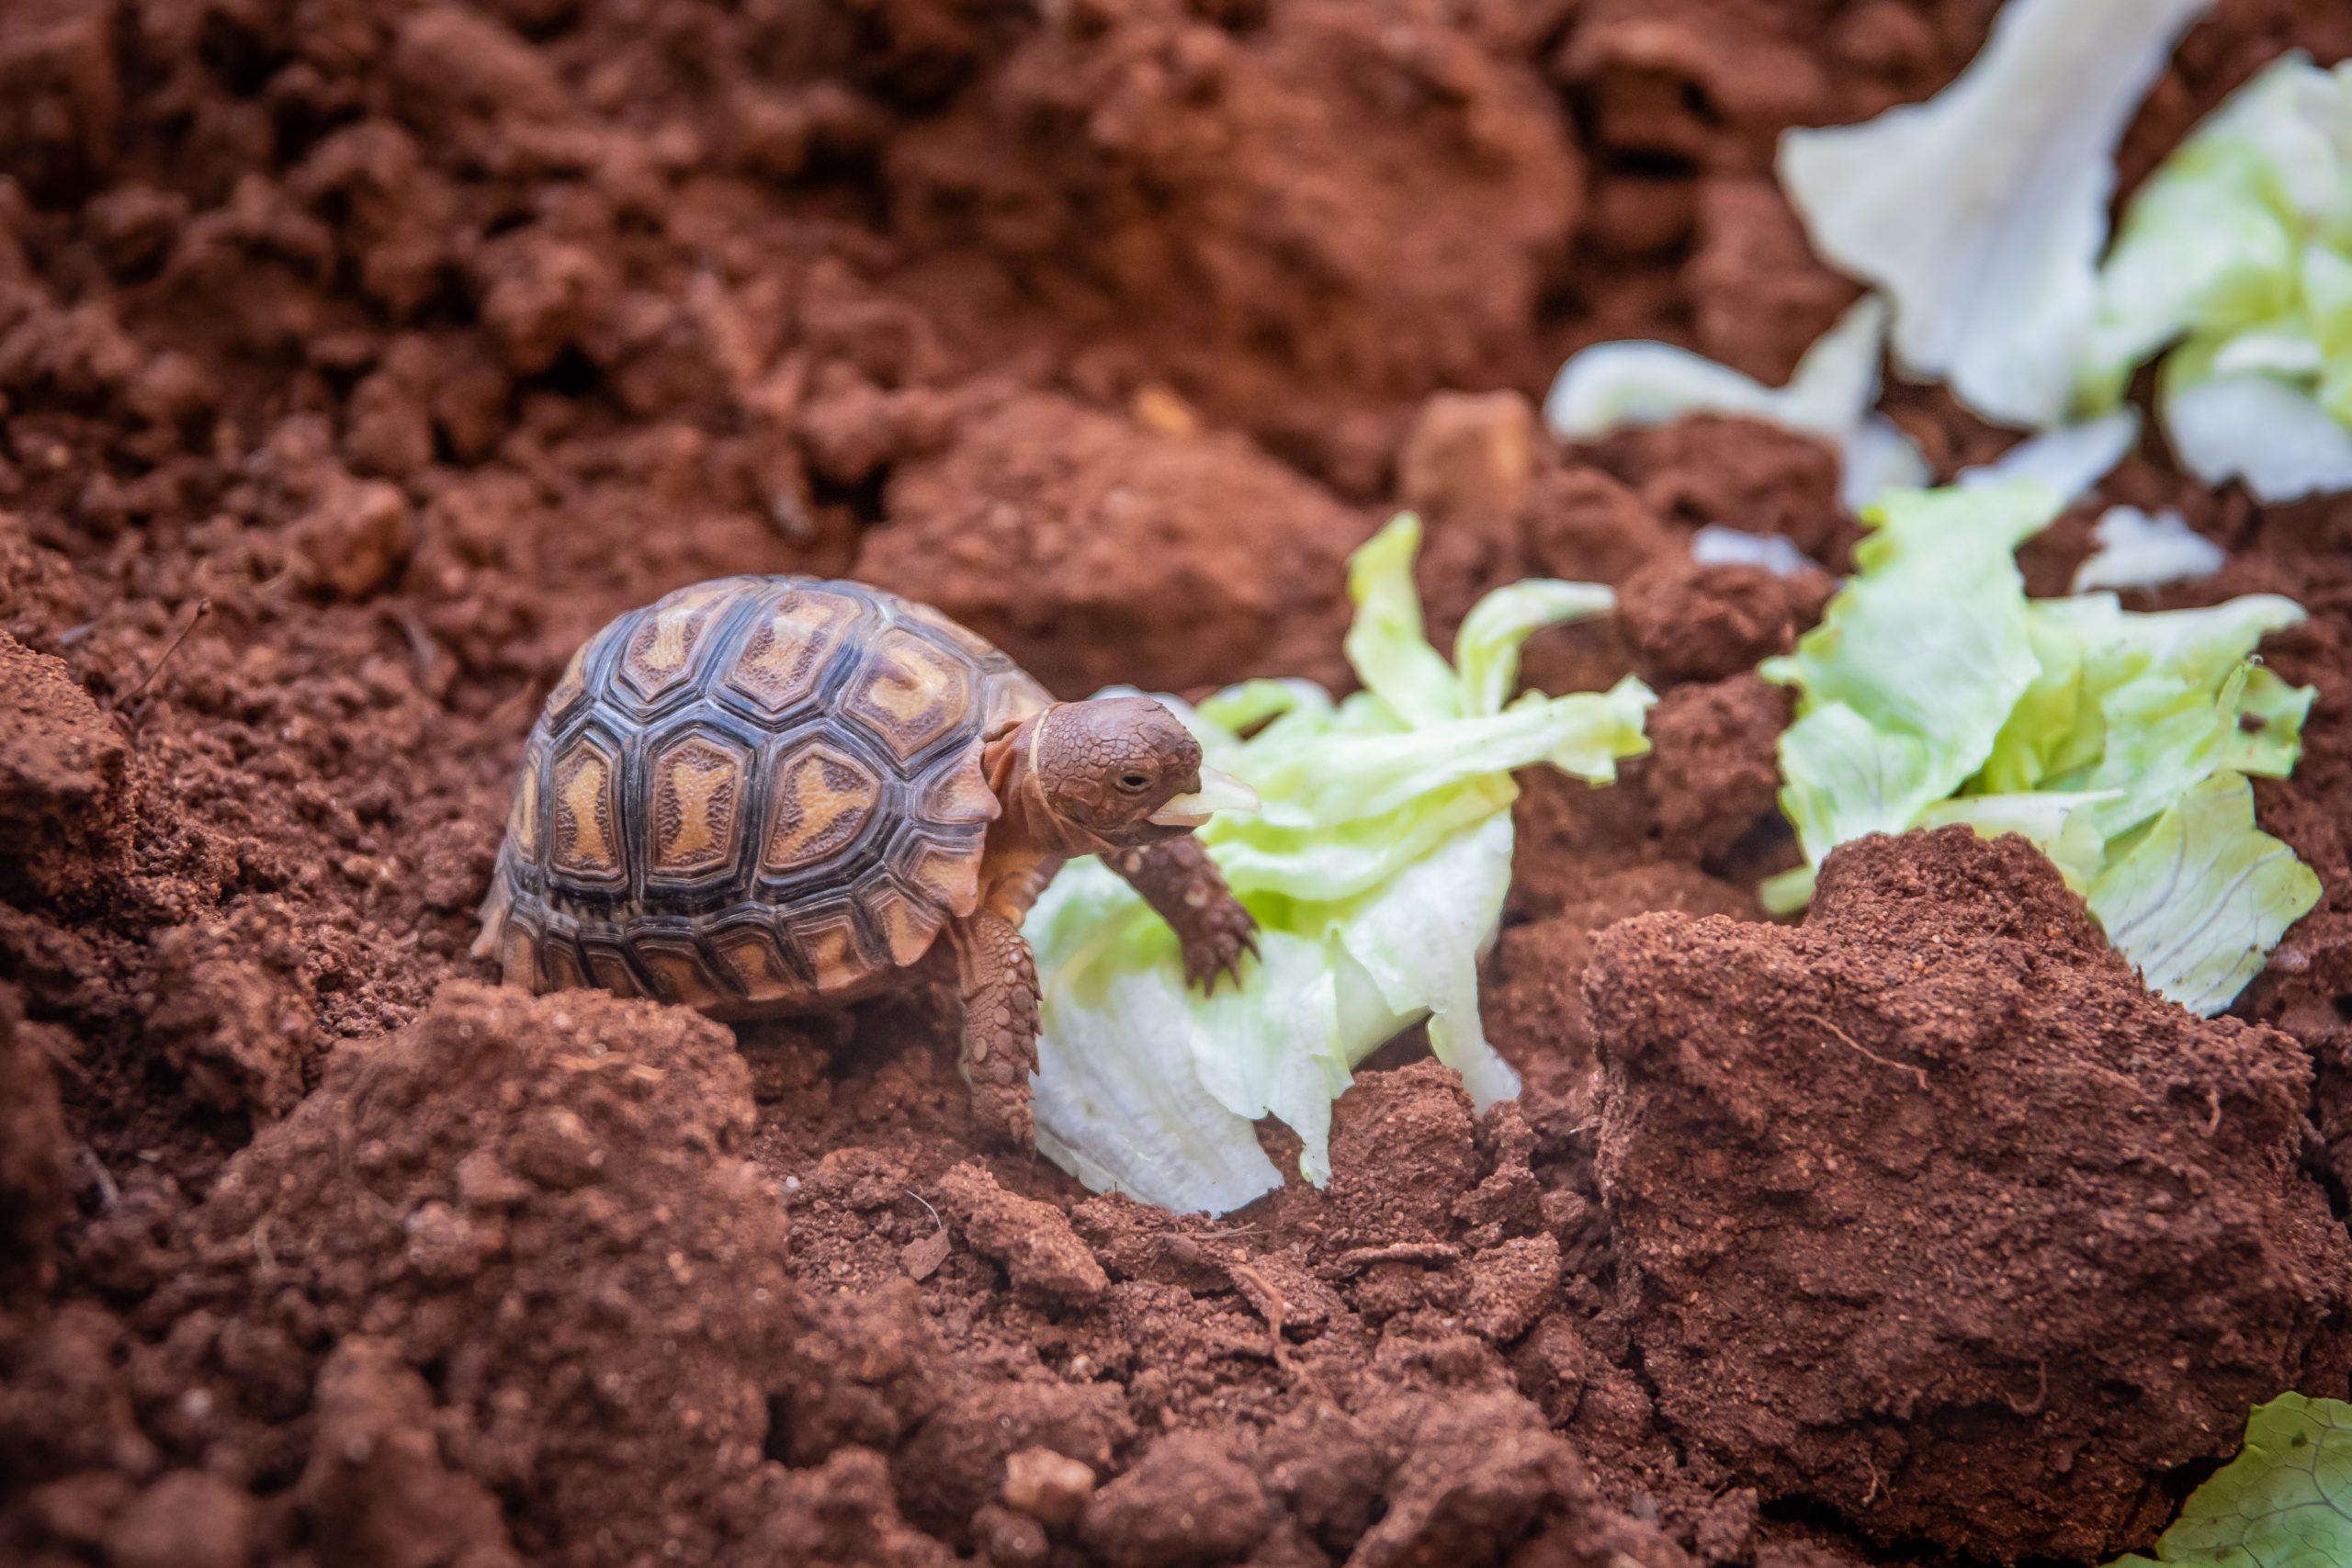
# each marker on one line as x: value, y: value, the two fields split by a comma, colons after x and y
x: 1982, y: 211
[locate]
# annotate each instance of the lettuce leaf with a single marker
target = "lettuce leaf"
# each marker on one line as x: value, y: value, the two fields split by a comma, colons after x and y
x: 1376, y: 868
x: 2136, y: 550
x: 1982, y: 211
x: 1935, y: 692
x: 1907, y: 681
x: 1610, y: 386
x: 2069, y: 460
x: 2238, y: 250
x: 2285, y: 1501
x: 2198, y: 902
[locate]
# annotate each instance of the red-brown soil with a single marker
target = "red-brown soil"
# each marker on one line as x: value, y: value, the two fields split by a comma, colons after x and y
x: 358, y: 357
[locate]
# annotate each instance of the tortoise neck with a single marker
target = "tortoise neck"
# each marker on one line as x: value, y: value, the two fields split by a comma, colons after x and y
x: 1029, y: 824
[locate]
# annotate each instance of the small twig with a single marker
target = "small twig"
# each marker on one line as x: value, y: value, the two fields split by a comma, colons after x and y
x: 1397, y: 1252
x: 2041, y: 1395
x: 1260, y: 1293
x: 422, y: 651
x: 1853, y: 1044
x: 203, y: 608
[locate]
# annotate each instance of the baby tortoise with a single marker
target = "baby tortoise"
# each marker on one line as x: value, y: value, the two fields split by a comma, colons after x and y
x: 766, y: 795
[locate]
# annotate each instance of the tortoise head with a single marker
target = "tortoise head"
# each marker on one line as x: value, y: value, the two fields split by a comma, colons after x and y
x: 1122, y: 769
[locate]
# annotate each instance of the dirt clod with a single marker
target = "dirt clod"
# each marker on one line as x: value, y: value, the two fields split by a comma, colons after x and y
x: 1908, y: 1203
x: 1085, y: 547
x: 377, y: 1491
x: 1049, y: 1487
x: 1188, y: 1501
x: 1401, y: 1155
x: 62, y: 780
x: 654, y: 1253
x: 1033, y: 1240
x: 34, y: 1156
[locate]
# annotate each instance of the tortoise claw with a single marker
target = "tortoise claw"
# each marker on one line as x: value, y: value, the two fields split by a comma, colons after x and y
x: 1216, y: 952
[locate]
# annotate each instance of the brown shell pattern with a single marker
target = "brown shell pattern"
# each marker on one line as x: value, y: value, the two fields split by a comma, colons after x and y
x: 755, y: 795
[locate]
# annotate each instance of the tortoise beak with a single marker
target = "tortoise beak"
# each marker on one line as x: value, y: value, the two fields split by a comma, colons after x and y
x: 1218, y: 791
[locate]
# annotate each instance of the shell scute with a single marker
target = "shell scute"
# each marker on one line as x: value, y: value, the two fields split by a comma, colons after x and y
x: 697, y: 783
x: 790, y: 646
x: 833, y: 950
x: 819, y: 800
x: 910, y: 693
x: 671, y: 636
x: 585, y: 783
x: 675, y: 964
x: 906, y: 926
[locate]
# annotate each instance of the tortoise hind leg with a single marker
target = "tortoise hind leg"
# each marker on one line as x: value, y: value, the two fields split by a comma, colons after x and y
x: 509, y: 938
x: 496, y: 906
x: 998, y: 980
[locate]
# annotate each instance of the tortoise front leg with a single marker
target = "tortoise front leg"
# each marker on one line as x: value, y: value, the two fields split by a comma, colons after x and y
x: 1179, y: 881
x: 1000, y: 985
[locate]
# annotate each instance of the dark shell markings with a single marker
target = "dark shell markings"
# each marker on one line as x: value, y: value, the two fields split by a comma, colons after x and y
x: 756, y: 794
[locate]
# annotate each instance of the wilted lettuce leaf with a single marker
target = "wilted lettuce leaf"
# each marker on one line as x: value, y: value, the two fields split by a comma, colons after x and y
x: 1376, y: 868
x: 2285, y: 1501
x: 2068, y: 461
x: 1981, y: 212
x: 1934, y: 692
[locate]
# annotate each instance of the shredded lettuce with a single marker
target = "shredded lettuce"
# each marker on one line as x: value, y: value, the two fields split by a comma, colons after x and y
x: 1613, y: 385
x: 2285, y: 1501
x: 1981, y: 212
x: 2069, y: 460
x: 1714, y: 544
x: 2239, y: 251
x: 1935, y: 692
x: 1376, y: 869
x: 2136, y: 550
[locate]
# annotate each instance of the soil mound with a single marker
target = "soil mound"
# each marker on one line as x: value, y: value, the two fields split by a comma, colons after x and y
x: 1176, y: 192
x: 1094, y: 551
x: 540, y: 1206
x: 1926, y: 1211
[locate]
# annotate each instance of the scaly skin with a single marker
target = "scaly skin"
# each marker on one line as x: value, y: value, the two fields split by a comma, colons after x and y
x: 1179, y: 881
x: 1000, y: 986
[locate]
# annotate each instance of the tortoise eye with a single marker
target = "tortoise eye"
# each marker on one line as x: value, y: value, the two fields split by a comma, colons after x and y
x: 1135, y: 783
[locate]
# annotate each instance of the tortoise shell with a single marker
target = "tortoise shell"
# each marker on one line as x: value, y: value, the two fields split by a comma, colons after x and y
x: 758, y: 794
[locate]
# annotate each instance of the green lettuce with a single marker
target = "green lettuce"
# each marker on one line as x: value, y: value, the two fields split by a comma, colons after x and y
x: 1935, y: 693
x: 1376, y: 869
x: 2237, y: 254
x: 2285, y: 1501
